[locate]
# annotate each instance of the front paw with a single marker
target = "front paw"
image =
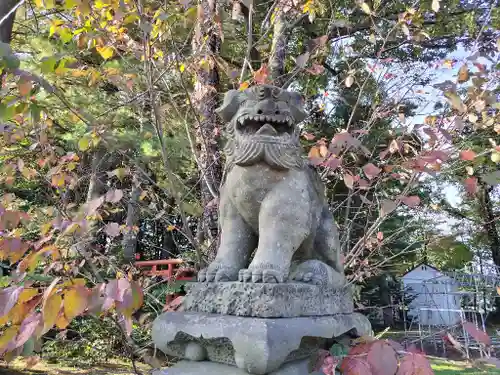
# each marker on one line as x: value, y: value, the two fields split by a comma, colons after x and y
x: 218, y: 273
x: 317, y: 273
x: 262, y: 275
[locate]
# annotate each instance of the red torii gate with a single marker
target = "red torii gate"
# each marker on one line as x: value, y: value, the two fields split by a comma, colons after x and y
x: 171, y: 273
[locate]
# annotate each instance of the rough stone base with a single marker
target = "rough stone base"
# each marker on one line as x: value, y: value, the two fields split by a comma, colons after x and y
x: 267, y: 300
x: 256, y: 345
x: 211, y: 368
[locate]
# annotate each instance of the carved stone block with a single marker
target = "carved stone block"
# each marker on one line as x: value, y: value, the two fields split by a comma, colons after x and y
x: 267, y: 300
x: 256, y: 345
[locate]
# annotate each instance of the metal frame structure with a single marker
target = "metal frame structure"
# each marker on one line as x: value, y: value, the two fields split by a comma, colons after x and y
x: 475, y: 291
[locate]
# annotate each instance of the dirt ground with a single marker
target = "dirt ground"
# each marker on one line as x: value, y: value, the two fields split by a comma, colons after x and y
x: 18, y: 367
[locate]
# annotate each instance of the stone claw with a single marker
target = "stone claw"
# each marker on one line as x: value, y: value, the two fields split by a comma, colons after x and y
x: 217, y: 273
x: 317, y: 273
x: 261, y: 276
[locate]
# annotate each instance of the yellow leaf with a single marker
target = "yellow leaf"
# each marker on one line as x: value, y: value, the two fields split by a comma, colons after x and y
x: 57, y: 180
x: 84, y: 143
x: 314, y: 153
x: 170, y: 228
x: 27, y: 294
x: 62, y: 322
x: 495, y: 157
x: 366, y: 8
x: 75, y: 302
x: 50, y: 312
x: 106, y: 52
x: 7, y: 336
x: 182, y: 68
x: 463, y: 74
x: 244, y: 85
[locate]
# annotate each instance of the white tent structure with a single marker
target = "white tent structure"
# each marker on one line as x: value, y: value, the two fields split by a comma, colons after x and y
x: 437, y: 298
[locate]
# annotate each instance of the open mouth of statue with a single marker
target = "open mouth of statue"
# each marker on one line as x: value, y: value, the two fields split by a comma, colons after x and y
x: 265, y: 125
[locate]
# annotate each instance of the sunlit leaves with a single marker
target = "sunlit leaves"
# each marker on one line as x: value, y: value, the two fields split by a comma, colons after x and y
x: 50, y: 311
x: 349, y: 81
x: 435, y: 5
x: 106, y: 52
x: 365, y: 8
x: 75, y: 301
x: 84, y: 143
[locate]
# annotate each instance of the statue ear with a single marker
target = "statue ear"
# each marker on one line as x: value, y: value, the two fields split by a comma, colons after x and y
x: 297, y: 107
x: 229, y: 106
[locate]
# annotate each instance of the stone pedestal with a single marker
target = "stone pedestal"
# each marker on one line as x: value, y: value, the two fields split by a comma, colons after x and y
x: 268, y: 300
x: 231, y: 326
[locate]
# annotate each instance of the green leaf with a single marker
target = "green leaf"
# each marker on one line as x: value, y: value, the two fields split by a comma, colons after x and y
x: 65, y: 34
x: 84, y: 143
x: 48, y: 64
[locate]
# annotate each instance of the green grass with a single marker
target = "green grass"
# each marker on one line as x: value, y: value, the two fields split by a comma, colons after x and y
x: 444, y: 367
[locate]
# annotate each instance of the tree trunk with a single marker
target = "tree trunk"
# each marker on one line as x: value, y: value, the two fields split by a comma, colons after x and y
x: 6, y: 27
x: 278, y: 50
x: 130, y: 237
x: 490, y: 229
x: 206, y: 44
x: 94, y: 191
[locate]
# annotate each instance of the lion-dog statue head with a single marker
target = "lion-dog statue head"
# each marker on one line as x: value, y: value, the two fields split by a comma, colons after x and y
x: 262, y: 126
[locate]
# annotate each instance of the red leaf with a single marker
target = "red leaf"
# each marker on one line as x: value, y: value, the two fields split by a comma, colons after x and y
x: 477, y: 334
x: 93, y: 205
x: 411, y: 201
x: 332, y: 162
x: 114, y: 196
x: 316, y: 69
x: 382, y: 358
x: 355, y: 366
x: 115, y: 289
x: 414, y: 364
x: 308, y: 136
x: 387, y: 207
x: 112, y: 229
x: 471, y: 185
x: 27, y: 329
x: 8, y: 298
x: 371, y: 171
x: 380, y: 236
x: 467, y: 155
x: 261, y: 76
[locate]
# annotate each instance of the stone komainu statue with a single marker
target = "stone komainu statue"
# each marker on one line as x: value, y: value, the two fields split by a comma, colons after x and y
x: 272, y: 203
